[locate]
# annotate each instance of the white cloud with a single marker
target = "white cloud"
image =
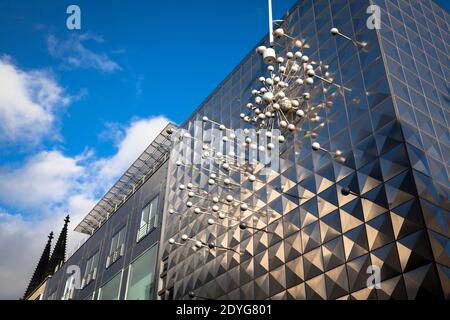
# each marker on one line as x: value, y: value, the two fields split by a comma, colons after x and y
x: 49, y: 185
x: 28, y: 103
x: 136, y: 138
x: 74, y: 53
x: 45, y: 178
x: 21, y: 243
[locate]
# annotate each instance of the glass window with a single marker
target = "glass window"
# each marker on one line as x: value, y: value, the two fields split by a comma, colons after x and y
x: 91, y: 269
x: 111, y: 290
x: 69, y: 288
x: 117, y: 249
x: 149, y: 219
x: 141, y: 276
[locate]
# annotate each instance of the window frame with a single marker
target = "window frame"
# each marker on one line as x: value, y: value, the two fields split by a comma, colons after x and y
x: 68, y: 287
x: 90, y: 267
x: 119, y: 235
x: 117, y: 241
x: 145, y: 226
x: 99, y: 294
x: 155, y: 282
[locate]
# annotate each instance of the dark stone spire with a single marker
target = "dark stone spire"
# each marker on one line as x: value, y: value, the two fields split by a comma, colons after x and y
x: 42, y: 269
x: 59, y: 252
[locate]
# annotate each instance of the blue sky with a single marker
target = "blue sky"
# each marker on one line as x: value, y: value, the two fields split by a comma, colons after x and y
x: 77, y: 107
x: 165, y: 52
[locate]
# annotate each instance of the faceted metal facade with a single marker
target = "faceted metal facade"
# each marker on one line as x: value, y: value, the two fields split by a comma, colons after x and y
x: 415, y: 37
x: 321, y: 242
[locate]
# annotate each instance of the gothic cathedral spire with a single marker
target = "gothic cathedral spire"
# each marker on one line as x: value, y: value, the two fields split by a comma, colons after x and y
x: 42, y: 269
x: 59, y: 252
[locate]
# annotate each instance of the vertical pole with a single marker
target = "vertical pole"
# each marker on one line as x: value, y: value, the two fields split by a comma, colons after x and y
x: 270, y: 24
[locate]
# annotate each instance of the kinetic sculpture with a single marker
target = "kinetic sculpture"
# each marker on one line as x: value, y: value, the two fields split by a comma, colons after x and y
x: 292, y: 93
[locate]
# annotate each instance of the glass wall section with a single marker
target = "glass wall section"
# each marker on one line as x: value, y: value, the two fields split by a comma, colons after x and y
x: 320, y: 242
x: 415, y: 36
x: 142, y: 275
x: 111, y: 290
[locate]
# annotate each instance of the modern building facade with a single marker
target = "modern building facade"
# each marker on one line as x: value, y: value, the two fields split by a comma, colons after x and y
x: 386, y: 205
x: 119, y: 259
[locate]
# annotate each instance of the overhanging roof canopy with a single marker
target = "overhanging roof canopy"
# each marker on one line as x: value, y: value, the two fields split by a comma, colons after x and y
x: 148, y: 163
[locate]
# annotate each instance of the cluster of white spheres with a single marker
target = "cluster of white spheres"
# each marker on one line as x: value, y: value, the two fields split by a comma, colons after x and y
x: 263, y: 97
